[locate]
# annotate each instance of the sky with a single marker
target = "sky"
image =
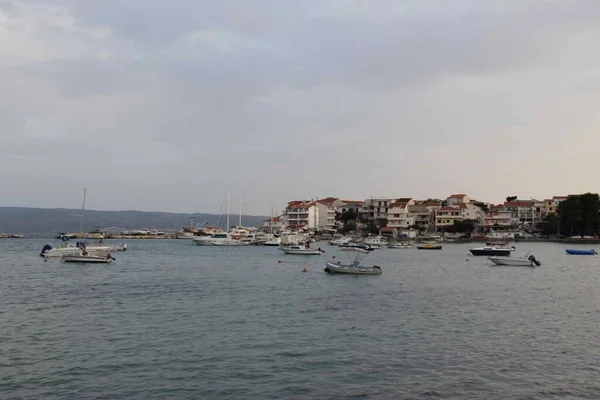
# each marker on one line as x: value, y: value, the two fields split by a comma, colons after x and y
x: 167, y: 105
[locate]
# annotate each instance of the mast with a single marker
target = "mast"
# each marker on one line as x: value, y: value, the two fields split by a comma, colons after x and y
x: 240, y: 220
x: 192, y: 224
x: 228, y: 198
x: 82, y: 212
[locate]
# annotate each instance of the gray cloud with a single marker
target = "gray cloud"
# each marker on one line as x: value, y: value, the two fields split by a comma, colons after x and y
x: 153, y: 105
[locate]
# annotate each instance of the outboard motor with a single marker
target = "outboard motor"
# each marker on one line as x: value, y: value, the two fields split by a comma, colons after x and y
x: 45, y: 249
x: 533, y: 260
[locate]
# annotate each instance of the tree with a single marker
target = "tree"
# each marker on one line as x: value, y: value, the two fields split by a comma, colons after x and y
x: 579, y: 214
x: 466, y: 226
x: 511, y: 198
x: 484, y: 207
x: 348, y: 215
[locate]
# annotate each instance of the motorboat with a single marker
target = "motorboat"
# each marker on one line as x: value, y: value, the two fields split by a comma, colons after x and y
x: 218, y: 239
x: 399, y: 246
x: 429, y: 246
x: 353, y: 267
x: 375, y: 241
x: 274, y: 242
x: 361, y: 246
x: 525, y: 261
x: 302, y: 251
x: 341, y: 241
x: 581, y: 252
x: 89, y: 259
x: 491, y: 251
x: 50, y: 252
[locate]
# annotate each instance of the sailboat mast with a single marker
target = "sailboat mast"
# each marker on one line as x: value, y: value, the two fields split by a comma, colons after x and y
x: 82, y: 212
x: 228, y: 198
x: 240, y: 220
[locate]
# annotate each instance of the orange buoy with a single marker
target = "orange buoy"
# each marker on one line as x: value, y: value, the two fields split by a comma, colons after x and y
x: 304, y: 269
x: 467, y: 259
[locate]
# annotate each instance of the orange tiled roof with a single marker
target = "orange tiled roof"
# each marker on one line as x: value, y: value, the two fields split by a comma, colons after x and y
x: 519, y: 203
x: 457, y: 196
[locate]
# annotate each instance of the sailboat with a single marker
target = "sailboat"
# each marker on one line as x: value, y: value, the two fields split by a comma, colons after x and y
x: 221, y: 239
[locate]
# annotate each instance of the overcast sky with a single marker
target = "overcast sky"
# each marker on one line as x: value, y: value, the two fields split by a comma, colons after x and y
x: 165, y: 105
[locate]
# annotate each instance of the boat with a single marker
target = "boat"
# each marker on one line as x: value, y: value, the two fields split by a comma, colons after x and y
x: 375, y: 241
x: 429, y: 246
x: 274, y: 242
x: 302, y: 251
x: 491, y: 251
x: 90, y: 259
x: 525, y: 261
x: 341, y: 241
x: 354, y: 267
x: 399, y: 246
x: 361, y: 246
x: 581, y: 252
x: 218, y: 239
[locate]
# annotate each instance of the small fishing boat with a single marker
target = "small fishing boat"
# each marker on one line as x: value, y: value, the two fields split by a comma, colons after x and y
x: 341, y: 241
x: 429, y: 246
x: 88, y: 259
x: 525, y: 261
x: 399, y: 246
x: 491, y: 251
x: 581, y: 252
x: 353, y: 268
x: 302, y: 251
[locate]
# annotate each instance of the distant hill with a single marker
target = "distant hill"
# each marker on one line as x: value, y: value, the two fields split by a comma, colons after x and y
x: 50, y: 221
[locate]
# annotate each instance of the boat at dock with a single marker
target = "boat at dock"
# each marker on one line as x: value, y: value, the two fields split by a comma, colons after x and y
x: 218, y: 239
x: 399, y: 246
x: 429, y: 246
x: 581, y: 252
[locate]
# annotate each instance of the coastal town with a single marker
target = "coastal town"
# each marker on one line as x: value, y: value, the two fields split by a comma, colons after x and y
x: 407, y: 217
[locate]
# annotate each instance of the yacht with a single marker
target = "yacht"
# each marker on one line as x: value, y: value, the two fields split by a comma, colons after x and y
x: 218, y: 239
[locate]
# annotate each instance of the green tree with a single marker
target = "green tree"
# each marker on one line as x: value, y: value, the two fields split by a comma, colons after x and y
x: 511, y: 198
x: 579, y: 214
x: 466, y: 226
x: 347, y: 215
x: 484, y: 207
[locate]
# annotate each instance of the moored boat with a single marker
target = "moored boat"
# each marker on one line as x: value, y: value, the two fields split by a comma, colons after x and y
x: 399, y: 246
x: 581, y: 252
x: 491, y: 251
x: 89, y: 259
x: 302, y: 251
x: 429, y: 246
x: 525, y: 261
x: 354, y: 267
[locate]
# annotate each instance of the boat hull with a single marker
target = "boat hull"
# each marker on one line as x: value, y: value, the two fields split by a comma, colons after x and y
x: 434, y: 247
x: 581, y: 252
x: 302, y: 252
x: 399, y: 246
x: 333, y: 268
x: 74, y: 251
x: 512, y: 262
x: 87, y: 259
x: 490, y: 252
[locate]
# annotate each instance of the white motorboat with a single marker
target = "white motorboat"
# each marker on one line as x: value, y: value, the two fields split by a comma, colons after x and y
x: 375, y: 241
x: 218, y: 239
x: 50, y: 252
x: 399, y: 246
x: 341, y: 241
x: 524, y: 261
x: 107, y: 259
x: 302, y: 251
x: 272, y: 242
x: 492, y: 251
x: 354, y: 267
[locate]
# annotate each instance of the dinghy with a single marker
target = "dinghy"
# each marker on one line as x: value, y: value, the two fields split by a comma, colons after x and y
x: 353, y: 268
x: 581, y: 252
x: 302, y: 251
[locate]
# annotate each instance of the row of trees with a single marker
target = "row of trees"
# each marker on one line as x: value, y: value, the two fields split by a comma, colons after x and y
x: 576, y: 215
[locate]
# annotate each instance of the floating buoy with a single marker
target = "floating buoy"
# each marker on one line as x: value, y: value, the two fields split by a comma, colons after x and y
x: 332, y: 256
x: 467, y: 259
x: 279, y: 261
x: 304, y: 269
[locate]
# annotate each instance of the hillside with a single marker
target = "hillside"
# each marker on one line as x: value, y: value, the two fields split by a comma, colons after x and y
x: 42, y: 221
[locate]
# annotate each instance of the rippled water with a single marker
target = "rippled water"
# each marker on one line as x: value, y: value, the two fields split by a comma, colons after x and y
x: 172, y: 320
